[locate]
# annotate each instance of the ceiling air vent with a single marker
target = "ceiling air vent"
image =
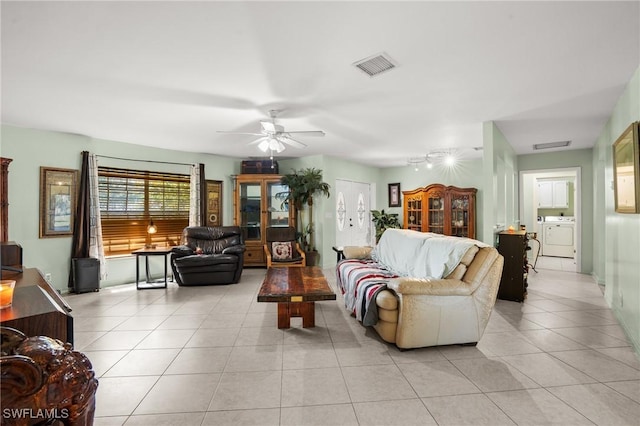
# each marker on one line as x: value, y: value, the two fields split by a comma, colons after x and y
x: 375, y: 65
x: 559, y: 144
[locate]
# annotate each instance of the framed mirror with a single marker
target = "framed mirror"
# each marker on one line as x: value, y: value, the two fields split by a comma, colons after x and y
x: 626, y: 169
x: 57, y: 201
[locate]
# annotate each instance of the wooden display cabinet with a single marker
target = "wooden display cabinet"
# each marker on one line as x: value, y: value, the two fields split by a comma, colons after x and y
x: 256, y: 207
x: 441, y: 209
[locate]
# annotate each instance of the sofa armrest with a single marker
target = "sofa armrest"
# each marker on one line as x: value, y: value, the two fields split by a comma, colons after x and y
x: 182, y: 251
x: 237, y: 250
x: 430, y: 286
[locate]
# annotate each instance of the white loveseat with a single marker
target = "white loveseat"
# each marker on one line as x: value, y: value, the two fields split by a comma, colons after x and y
x: 421, y: 289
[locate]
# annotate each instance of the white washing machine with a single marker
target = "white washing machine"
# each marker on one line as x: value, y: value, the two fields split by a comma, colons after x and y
x: 558, y: 236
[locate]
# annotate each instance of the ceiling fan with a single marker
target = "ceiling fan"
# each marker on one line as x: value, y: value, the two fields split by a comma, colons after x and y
x: 273, y: 137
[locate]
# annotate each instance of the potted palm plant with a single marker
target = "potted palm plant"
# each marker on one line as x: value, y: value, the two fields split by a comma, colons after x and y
x: 303, y: 185
x: 383, y: 220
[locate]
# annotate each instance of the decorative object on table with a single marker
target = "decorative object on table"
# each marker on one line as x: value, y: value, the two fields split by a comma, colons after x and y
x: 57, y: 201
x: 45, y: 379
x: 302, y: 186
x: 383, y: 220
x: 626, y: 170
x: 214, y: 203
x: 6, y: 293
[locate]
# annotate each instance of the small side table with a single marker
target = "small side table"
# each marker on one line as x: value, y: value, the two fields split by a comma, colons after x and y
x: 146, y: 252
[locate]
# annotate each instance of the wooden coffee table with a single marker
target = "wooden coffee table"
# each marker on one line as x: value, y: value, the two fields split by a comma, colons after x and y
x: 296, y: 290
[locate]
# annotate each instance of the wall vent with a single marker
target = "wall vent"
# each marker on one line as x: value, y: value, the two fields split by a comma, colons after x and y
x: 548, y: 145
x: 376, y: 64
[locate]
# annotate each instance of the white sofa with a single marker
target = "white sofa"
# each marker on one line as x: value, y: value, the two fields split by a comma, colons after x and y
x: 423, y: 289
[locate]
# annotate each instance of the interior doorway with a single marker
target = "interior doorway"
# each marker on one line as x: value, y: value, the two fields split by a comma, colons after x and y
x: 353, y: 214
x: 554, y: 218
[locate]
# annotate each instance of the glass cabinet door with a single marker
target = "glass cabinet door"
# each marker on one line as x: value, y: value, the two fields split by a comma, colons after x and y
x: 277, y: 207
x: 250, y: 214
x: 460, y: 215
x: 436, y: 213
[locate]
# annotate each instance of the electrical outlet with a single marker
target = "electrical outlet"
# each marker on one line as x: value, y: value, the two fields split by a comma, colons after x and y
x: 47, y: 277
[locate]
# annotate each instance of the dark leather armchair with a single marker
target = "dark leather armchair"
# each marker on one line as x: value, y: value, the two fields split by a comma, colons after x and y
x: 209, y: 255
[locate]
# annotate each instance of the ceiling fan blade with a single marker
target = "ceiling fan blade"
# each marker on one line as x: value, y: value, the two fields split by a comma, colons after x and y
x: 268, y: 126
x: 257, y: 141
x: 291, y: 141
x: 238, y: 133
x: 307, y: 132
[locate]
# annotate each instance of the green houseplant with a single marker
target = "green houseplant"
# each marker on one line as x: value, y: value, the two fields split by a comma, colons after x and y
x: 383, y: 221
x: 303, y: 185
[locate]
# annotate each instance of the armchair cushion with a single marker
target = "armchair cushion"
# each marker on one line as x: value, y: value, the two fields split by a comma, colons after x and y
x: 281, y: 250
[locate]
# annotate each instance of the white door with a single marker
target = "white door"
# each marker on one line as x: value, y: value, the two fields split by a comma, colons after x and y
x: 353, y: 216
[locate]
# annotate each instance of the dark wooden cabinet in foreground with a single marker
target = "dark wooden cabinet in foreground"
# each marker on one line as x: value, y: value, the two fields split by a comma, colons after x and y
x: 513, y: 247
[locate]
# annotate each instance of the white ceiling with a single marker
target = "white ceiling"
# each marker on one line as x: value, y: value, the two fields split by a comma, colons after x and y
x: 170, y: 74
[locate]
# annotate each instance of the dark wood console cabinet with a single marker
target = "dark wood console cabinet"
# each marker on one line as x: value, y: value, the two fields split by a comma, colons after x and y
x: 37, y: 309
x: 513, y: 247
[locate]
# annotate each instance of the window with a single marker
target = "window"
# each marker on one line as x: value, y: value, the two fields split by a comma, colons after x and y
x: 130, y: 199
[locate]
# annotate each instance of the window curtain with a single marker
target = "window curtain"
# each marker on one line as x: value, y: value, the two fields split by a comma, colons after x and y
x: 96, y: 249
x: 87, y: 232
x: 197, y: 201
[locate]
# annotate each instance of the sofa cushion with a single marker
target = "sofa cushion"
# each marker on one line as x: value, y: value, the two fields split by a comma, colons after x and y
x: 357, y: 252
x: 281, y: 250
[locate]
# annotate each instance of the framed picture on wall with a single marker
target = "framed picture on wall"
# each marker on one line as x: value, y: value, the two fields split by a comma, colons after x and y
x: 626, y: 170
x: 214, y: 203
x: 394, y: 195
x: 57, y: 201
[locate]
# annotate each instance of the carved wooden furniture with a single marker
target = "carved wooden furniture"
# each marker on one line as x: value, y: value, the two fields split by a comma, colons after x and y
x: 44, y: 381
x: 283, y: 238
x: 257, y: 208
x: 37, y: 309
x: 4, y: 198
x: 513, y: 247
x: 441, y: 209
x: 296, y: 290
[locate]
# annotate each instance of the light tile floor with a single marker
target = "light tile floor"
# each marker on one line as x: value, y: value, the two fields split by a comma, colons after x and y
x: 214, y: 356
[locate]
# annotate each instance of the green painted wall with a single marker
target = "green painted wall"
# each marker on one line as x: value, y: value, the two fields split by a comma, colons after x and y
x: 31, y: 149
x: 500, y: 183
x: 616, y: 236
x: 464, y: 174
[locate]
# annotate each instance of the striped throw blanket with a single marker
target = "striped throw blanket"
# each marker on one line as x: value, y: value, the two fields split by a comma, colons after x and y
x: 360, y: 281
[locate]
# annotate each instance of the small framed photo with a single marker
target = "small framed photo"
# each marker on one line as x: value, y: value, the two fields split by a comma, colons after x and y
x: 394, y: 195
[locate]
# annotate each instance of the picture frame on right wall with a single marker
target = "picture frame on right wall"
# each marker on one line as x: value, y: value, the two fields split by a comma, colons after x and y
x: 626, y: 170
